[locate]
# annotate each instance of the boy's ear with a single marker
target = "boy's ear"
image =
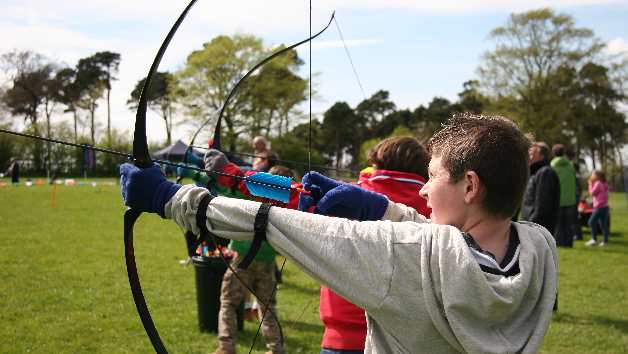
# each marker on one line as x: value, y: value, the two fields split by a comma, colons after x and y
x: 472, y: 187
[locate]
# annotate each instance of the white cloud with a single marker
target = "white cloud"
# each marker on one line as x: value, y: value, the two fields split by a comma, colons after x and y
x: 49, y: 40
x: 617, y: 46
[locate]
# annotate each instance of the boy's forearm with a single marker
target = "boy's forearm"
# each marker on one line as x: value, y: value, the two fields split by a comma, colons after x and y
x: 331, y: 250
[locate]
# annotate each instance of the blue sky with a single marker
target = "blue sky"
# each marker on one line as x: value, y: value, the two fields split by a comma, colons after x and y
x: 415, y: 50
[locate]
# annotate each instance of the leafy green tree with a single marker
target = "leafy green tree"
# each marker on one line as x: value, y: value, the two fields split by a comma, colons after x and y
x: 34, y: 87
x: 470, y: 99
x: 161, y: 98
x: 211, y: 73
x: 437, y: 113
x: 70, y: 95
x: 89, y: 78
x: 59, y: 155
x: 365, y: 122
x: 269, y: 94
x: 603, y: 125
x: 109, y: 63
x: 374, y: 109
x: 401, y: 118
x: 30, y: 74
x: 274, y: 93
x: 342, y: 132
x: 529, y: 51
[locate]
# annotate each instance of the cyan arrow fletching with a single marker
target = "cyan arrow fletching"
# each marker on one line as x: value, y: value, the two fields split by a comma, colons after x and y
x: 260, y: 190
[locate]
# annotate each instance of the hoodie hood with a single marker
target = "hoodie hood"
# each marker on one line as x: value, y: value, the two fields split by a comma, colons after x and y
x: 560, y: 161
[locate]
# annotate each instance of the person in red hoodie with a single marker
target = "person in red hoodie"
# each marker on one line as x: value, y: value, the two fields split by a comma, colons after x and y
x: 400, y: 171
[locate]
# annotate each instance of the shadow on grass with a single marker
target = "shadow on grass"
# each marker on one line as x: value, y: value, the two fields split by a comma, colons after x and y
x: 568, y: 318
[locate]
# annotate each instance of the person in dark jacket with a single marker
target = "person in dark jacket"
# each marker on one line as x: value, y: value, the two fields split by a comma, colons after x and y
x: 567, y: 176
x: 14, y: 170
x: 541, y: 201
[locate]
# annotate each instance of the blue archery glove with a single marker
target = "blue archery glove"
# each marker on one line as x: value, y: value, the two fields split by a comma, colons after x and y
x: 194, y: 159
x: 146, y: 189
x: 183, y: 172
x: 317, y: 185
x: 341, y: 199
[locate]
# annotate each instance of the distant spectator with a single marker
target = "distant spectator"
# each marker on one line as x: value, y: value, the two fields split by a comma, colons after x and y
x: 541, y: 200
x: 259, y: 144
x: 263, y: 162
x: 600, y: 191
x: 14, y: 170
x: 567, y: 177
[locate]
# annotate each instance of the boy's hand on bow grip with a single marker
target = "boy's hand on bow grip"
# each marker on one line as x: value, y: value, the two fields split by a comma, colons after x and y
x: 341, y: 199
x: 146, y: 189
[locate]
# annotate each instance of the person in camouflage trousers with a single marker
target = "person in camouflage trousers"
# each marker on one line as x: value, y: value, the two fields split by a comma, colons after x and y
x: 260, y: 277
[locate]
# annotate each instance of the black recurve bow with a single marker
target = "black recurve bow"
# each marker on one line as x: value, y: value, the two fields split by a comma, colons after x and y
x: 142, y: 159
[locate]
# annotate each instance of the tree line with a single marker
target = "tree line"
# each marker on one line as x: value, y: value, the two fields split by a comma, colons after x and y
x: 544, y: 72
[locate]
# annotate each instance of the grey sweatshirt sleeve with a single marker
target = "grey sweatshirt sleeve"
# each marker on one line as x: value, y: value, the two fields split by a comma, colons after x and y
x: 400, y: 213
x: 354, y: 259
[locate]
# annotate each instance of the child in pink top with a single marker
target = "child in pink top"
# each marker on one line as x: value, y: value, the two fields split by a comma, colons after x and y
x: 600, y: 191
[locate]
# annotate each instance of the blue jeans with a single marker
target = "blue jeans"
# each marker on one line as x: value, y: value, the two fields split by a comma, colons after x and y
x: 340, y: 351
x: 601, y: 215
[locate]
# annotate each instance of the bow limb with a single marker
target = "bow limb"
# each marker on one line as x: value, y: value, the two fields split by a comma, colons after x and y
x: 142, y: 160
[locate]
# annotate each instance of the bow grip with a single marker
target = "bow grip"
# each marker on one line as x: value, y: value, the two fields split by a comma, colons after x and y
x: 142, y: 163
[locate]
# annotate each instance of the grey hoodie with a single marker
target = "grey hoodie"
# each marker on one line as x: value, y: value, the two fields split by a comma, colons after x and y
x: 422, y: 289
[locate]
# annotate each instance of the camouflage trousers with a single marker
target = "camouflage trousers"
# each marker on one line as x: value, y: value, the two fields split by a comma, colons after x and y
x: 260, y: 277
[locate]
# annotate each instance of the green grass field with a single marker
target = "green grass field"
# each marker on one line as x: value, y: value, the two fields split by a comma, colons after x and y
x: 64, y: 286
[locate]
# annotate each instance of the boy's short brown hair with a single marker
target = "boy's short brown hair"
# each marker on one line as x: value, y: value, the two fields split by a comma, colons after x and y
x: 493, y: 147
x: 271, y: 156
x: 401, y: 154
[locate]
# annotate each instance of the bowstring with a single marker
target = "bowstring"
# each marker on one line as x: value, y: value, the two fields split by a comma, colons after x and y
x: 309, y: 160
x: 350, y: 61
